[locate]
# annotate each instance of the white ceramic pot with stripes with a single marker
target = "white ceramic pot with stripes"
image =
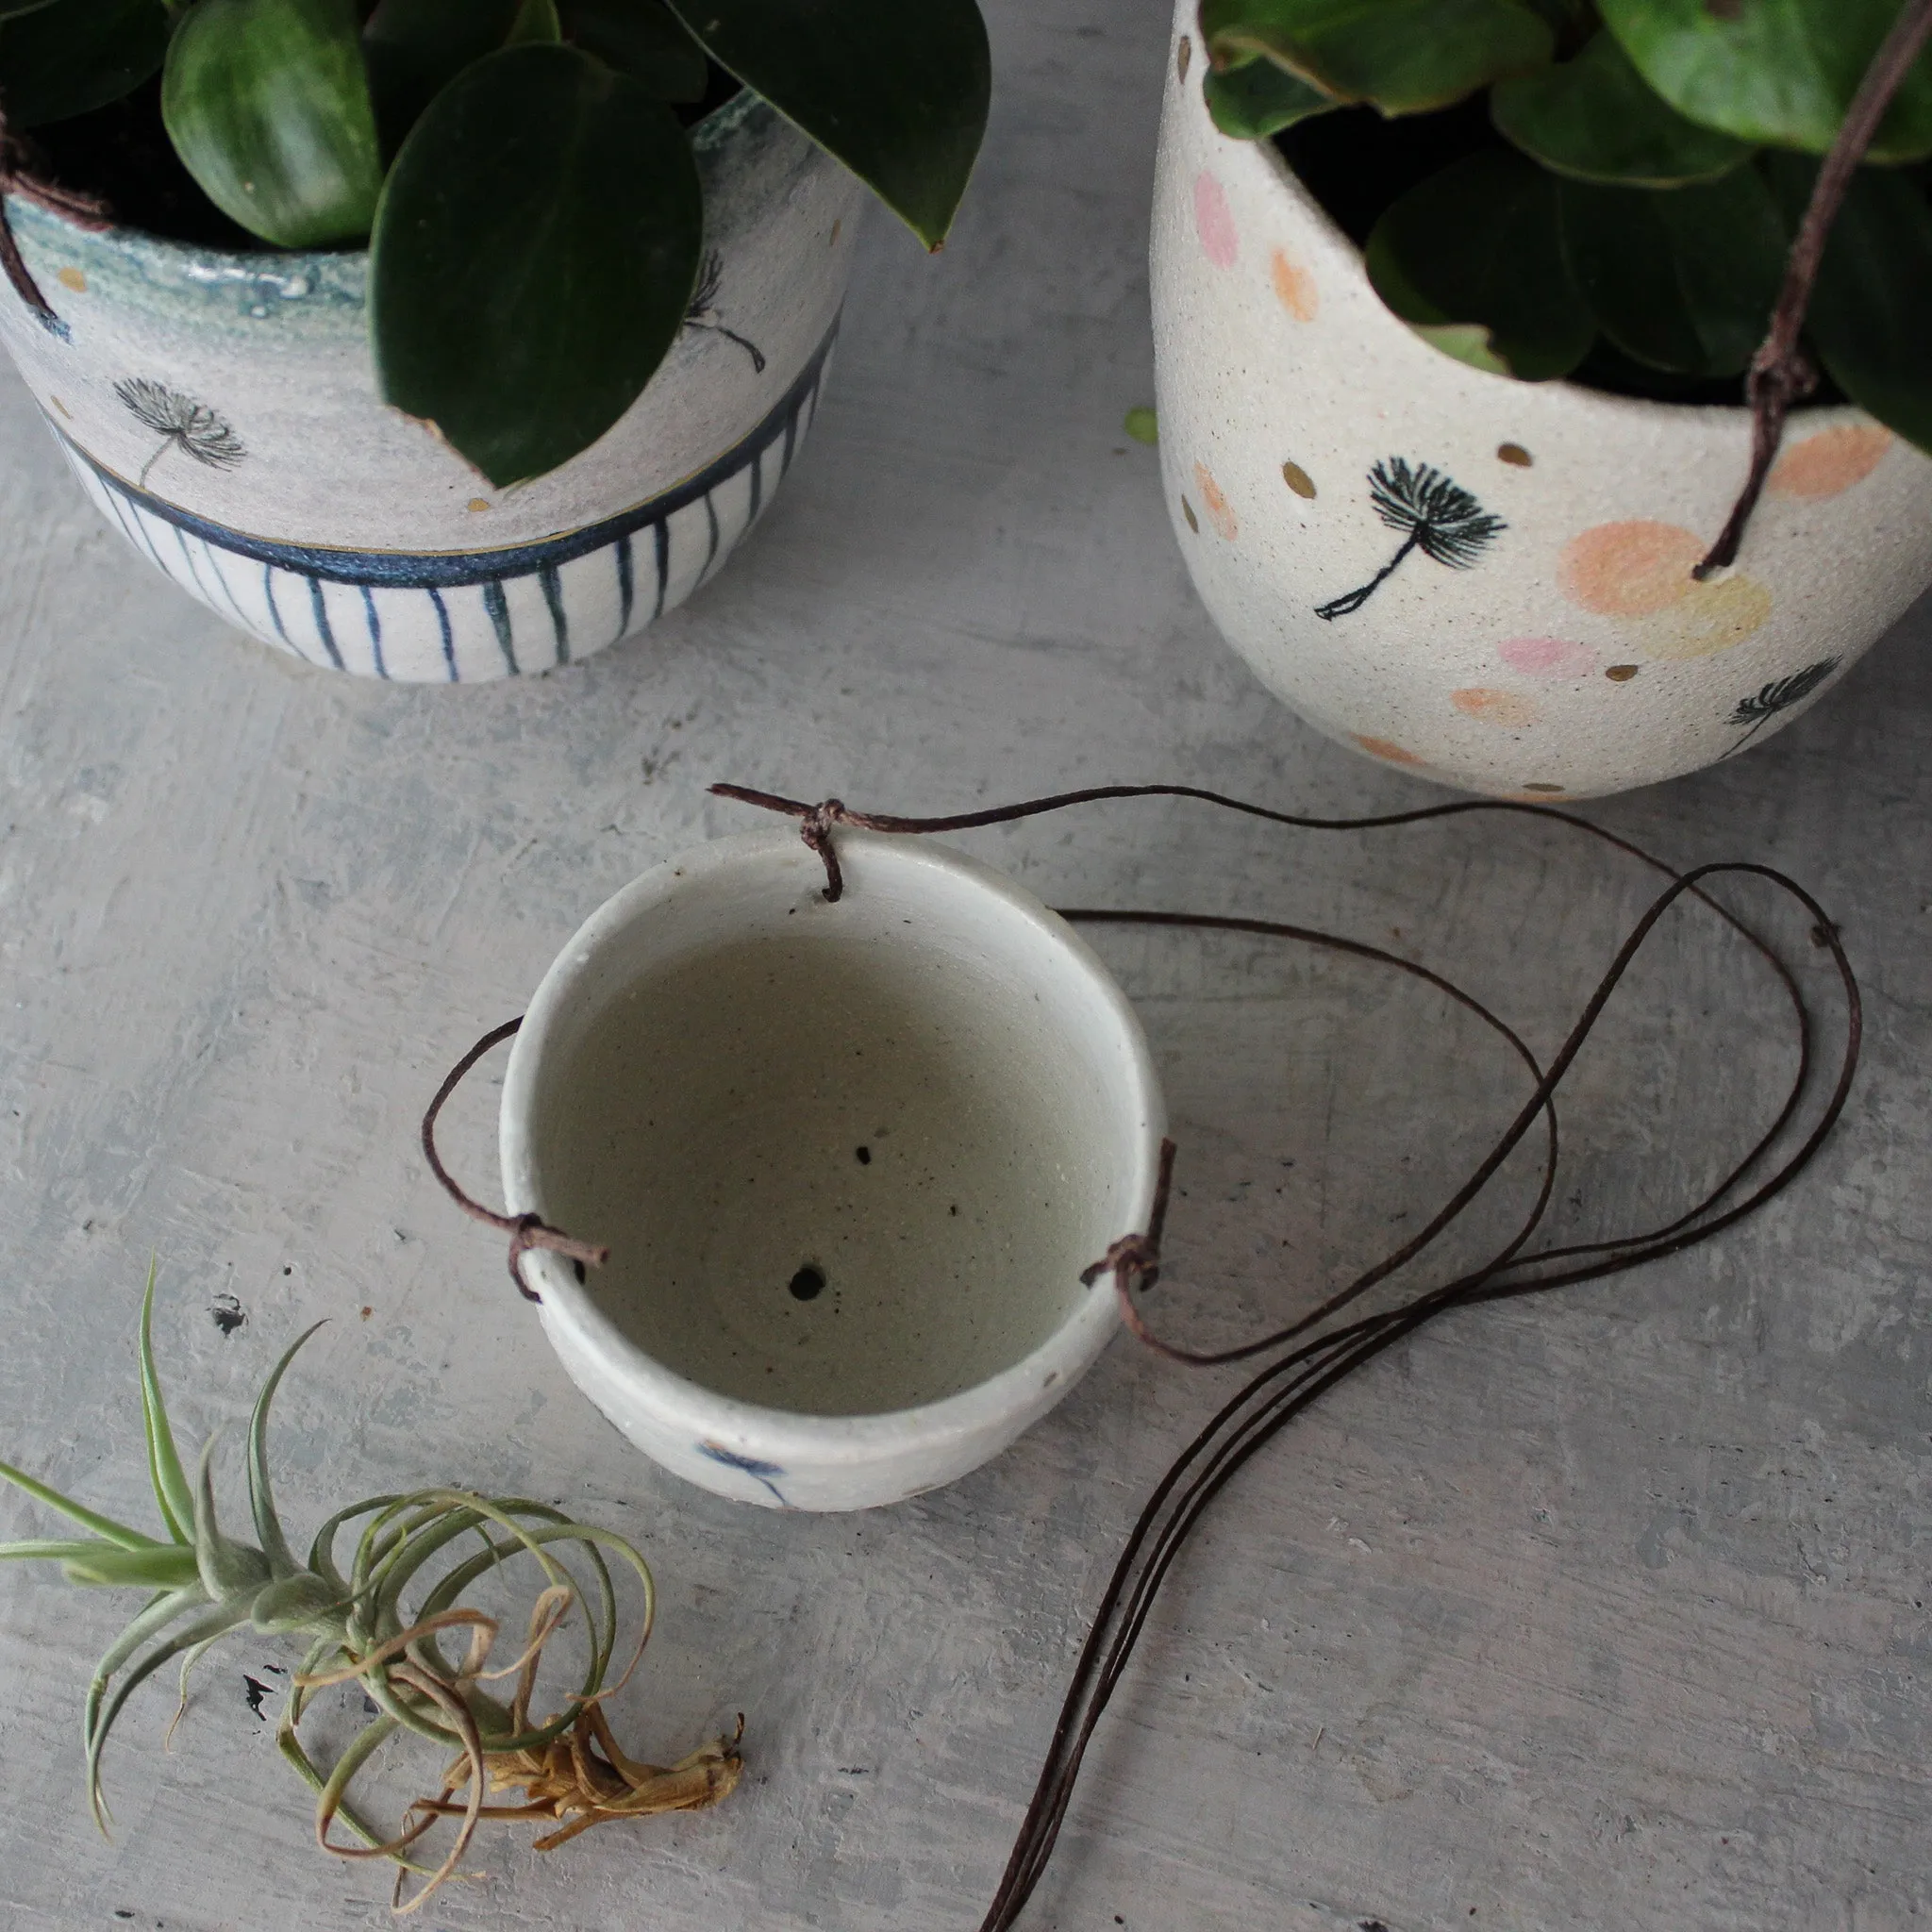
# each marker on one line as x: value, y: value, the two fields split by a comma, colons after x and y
x: 221, y: 409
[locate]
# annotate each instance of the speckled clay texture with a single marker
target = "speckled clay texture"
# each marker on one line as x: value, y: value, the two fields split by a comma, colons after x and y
x: 221, y: 411
x: 1483, y: 580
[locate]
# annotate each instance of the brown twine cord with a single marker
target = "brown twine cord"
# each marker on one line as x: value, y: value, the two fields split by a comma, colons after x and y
x: 17, y: 176
x: 1287, y: 1386
x: 525, y: 1231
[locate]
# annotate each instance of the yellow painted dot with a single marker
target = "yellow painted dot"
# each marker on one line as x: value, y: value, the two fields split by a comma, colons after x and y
x: 1507, y: 707
x: 1182, y: 55
x: 1298, y: 479
x: 1188, y: 511
x: 1832, y: 461
x: 1295, y: 286
x: 1621, y: 674
x: 1712, y: 617
x: 71, y: 278
x: 480, y: 503
x: 1514, y: 453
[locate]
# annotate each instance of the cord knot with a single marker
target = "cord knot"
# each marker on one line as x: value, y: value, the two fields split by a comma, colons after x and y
x: 815, y: 828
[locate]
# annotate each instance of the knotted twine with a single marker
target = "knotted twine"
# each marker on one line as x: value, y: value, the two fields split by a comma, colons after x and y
x: 1306, y: 1366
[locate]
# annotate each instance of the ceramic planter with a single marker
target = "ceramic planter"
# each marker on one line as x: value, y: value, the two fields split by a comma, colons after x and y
x: 221, y: 411
x: 850, y: 1161
x: 1482, y: 580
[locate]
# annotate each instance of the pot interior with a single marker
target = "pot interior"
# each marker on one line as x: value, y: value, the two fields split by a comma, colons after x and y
x: 850, y: 1158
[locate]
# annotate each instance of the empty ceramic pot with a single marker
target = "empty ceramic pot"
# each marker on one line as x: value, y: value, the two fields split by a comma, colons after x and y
x: 850, y: 1160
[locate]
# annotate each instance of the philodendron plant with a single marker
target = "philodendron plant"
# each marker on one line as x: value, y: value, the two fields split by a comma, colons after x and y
x: 432, y: 1544
x: 1651, y: 182
x: 518, y: 168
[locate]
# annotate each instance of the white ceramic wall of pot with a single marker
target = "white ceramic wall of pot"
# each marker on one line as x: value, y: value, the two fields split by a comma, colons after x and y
x: 850, y: 1160
x: 221, y: 411
x: 1563, y: 648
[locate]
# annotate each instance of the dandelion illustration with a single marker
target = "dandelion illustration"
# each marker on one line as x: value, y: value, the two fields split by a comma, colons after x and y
x: 182, y: 424
x: 703, y: 312
x: 1780, y: 694
x: 1435, y: 515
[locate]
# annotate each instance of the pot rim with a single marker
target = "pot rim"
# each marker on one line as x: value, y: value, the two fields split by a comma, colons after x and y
x: 1012, y: 1396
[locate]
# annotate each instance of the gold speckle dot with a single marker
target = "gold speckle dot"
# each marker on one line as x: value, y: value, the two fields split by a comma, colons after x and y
x: 62, y: 406
x: 1623, y: 673
x: 71, y: 278
x: 1543, y: 790
x: 1182, y: 55
x: 480, y: 503
x: 1514, y: 453
x: 1298, y: 479
x: 1188, y: 511
x: 836, y: 227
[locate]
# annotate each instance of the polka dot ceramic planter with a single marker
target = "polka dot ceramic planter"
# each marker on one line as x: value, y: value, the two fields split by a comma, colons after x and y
x: 1481, y: 580
x: 221, y: 411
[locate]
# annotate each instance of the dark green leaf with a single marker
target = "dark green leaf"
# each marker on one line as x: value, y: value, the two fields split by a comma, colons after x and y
x: 1776, y: 71
x: 1682, y: 279
x: 267, y: 103
x: 1258, y: 99
x: 1597, y: 119
x: 75, y: 55
x: 415, y: 48
x: 640, y: 38
x: 534, y: 257
x: 1873, y: 294
x: 11, y: 8
x: 536, y: 21
x: 1472, y: 259
x: 897, y: 92
x: 1406, y: 55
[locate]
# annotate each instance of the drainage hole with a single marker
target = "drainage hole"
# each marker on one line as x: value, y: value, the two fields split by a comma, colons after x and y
x: 809, y: 1283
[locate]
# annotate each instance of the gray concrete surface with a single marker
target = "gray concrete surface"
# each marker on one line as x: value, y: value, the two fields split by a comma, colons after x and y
x: 1609, y: 1610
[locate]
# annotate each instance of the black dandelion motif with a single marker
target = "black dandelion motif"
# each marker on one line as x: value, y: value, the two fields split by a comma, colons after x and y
x: 1780, y: 694
x: 703, y: 312
x: 182, y: 424
x: 1435, y: 516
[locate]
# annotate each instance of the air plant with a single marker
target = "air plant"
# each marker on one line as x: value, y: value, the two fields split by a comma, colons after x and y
x: 1435, y: 515
x: 203, y: 1585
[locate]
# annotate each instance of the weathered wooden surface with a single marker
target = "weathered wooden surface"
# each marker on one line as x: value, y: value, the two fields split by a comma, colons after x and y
x: 1610, y: 1610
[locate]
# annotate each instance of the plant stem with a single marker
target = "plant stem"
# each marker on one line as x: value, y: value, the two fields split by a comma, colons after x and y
x: 1780, y: 373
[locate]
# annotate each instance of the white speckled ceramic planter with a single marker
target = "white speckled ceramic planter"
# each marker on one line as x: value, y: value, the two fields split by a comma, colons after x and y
x: 1543, y: 636
x: 221, y: 411
x: 850, y: 1160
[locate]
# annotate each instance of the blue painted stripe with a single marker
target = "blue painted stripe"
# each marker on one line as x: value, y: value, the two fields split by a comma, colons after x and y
x: 449, y: 642
x: 559, y: 622
x: 711, y: 550
x: 498, y: 606
x: 221, y: 578
x: 626, y: 585
x: 375, y: 631
x: 319, y: 607
x: 444, y: 570
x: 758, y: 484
x: 660, y: 543
x: 188, y: 557
x: 791, y: 445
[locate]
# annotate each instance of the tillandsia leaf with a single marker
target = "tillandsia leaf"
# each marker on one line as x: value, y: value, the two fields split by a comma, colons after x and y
x: 1781, y: 71
x: 1478, y: 247
x: 1682, y: 278
x: 228, y: 1569
x: 75, y: 55
x: 1868, y: 314
x: 261, y: 1502
x: 1406, y: 55
x: 102, y: 1525
x: 172, y: 1493
x: 1258, y: 99
x: 642, y: 39
x: 899, y: 93
x: 322, y: 1559
x: 533, y: 257
x: 301, y: 1602
x: 153, y: 1619
x: 536, y: 21
x: 1597, y: 119
x: 267, y: 103
x: 166, y: 1566
x: 415, y: 48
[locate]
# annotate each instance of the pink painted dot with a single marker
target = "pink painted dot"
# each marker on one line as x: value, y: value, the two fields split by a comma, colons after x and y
x: 1548, y: 657
x: 1215, y: 221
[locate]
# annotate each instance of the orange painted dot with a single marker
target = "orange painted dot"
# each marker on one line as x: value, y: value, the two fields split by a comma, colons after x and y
x: 1298, y: 480
x: 1220, y: 511
x: 1188, y: 511
x: 1495, y: 707
x: 480, y: 503
x: 1623, y: 673
x: 1384, y: 749
x: 1832, y: 461
x: 1629, y: 569
x: 71, y: 278
x: 1713, y: 617
x: 1295, y: 286
x: 1182, y: 55
x: 1515, y: 454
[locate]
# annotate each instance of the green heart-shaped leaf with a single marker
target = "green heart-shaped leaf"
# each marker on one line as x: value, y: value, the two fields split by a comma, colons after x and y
x: 74, y: 56
x: 536, y: 20
x: 534, y: 257
x: 642, y: 39
x: 1597, y: 119
x: 1406, y: 55
x: 1776, y: 71
x: 1472, y: 259
x: 1875, y: 291
x: 1258, y: 99
x: 897, y: 92
x: 1682, y: 279
x: 267, y: 103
